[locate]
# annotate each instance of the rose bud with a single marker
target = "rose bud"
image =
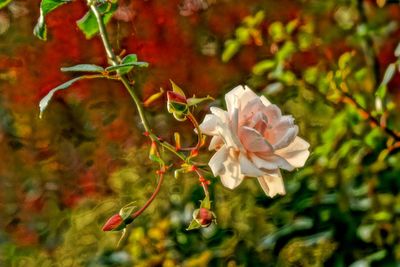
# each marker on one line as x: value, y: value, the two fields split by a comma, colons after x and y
x: 204, y: 217
x: 177, y: 105
x: 115, y: 223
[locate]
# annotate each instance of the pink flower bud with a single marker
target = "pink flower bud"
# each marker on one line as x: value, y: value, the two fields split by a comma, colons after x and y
x: 204, y: 217
x: 175, y: 97
x: 115, y: 223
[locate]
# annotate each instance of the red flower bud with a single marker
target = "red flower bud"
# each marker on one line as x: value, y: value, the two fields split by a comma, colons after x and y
x: 175, y: 97
x: 115, y: 223
x: 205, y: 217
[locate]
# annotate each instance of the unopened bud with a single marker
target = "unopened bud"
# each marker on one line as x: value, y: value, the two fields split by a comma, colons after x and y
x: 177, y: 105
x: 115, y: 223
x: 204, y: 216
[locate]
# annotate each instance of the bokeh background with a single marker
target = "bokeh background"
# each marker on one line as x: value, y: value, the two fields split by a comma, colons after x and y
x: 332, y: 64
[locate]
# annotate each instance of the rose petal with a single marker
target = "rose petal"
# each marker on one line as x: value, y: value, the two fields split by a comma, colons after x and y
x: 230, y: 97
x: 216, y: 162
x: 215, y: 142
x: 210, y: 124
x: 248, y: 168
x: 253, y: 141
x: 244, y: 95
x: 265, y: 101
x: 296, y: 153
x: 272, y: 185
x: 286, y: 137
x: 273, y: 113
x: 220, y: 113
x: 270, y: 161
x: 231, y: 175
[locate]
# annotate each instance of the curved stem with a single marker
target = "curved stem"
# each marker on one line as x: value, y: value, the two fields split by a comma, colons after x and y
x: 196, y: 125
x: 153, y: 196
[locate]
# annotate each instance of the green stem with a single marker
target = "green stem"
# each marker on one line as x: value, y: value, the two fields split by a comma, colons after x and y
x: 114, y: 61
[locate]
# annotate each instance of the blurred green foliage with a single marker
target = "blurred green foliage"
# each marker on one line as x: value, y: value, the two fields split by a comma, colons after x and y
x: 326, y: 63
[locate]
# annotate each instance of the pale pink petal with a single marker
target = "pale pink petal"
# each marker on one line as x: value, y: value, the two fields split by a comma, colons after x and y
x: 216, y: 162
x: 296, y: 153
x: 231, y: 95
x: 273, y: 114
x: 209, y: 126
x: 284, y: 138
x: 271, y: 161
x: 253, y: 141
x: 263, y: 164
x: 250, y: 109
x: 248, y: 168
x: 231, y: 175
x: 215, y: 142
x: 272, y: 185
x: 265, y: 101
x: 220, y: 113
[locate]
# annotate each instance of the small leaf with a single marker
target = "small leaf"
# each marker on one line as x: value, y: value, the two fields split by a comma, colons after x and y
x: 193, y: 225
x: 3, y: 3
x: 126, y: 211
x: 46, y: 6
x: 83, y: 68
x: 177, y: 138
x: 129, y: 65
x: 157, y: 159
x: 88, y: 23
x: 230, y: 50
x: 206, y: 203
x: 177, y: 89
x: 195, y: 101
x: 45, y: 100
x: 263, y: 66
x: 389, y: 73
x: 153, y: 98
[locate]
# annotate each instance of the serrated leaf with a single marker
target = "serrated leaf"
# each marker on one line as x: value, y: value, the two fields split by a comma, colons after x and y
x: 3, y: 3
x: 177, y: 89
x: 46, y: 6
x: 193, y: 225
x: 195, y: 101
x: 88, y: 23
x: 83, y: 68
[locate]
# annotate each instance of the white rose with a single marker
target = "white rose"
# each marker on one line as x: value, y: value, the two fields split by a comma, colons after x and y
x: 253, y: 139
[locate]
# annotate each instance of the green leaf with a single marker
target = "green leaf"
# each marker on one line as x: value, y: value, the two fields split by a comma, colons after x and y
x: 127, y: 210
x: 83, y: 68
x: 157, y: 159
x: 3, y: 3
x: 46, y: 6
x: 206, y: 203
x: 177, y: 89
x: 127, y: 64
x: 195, y: 101
x: 88, y: 23
x: 389, y: 73
x: 46, y: 99
x: 263, y: 66
x: 193, y: 225
x: 231, y: 49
